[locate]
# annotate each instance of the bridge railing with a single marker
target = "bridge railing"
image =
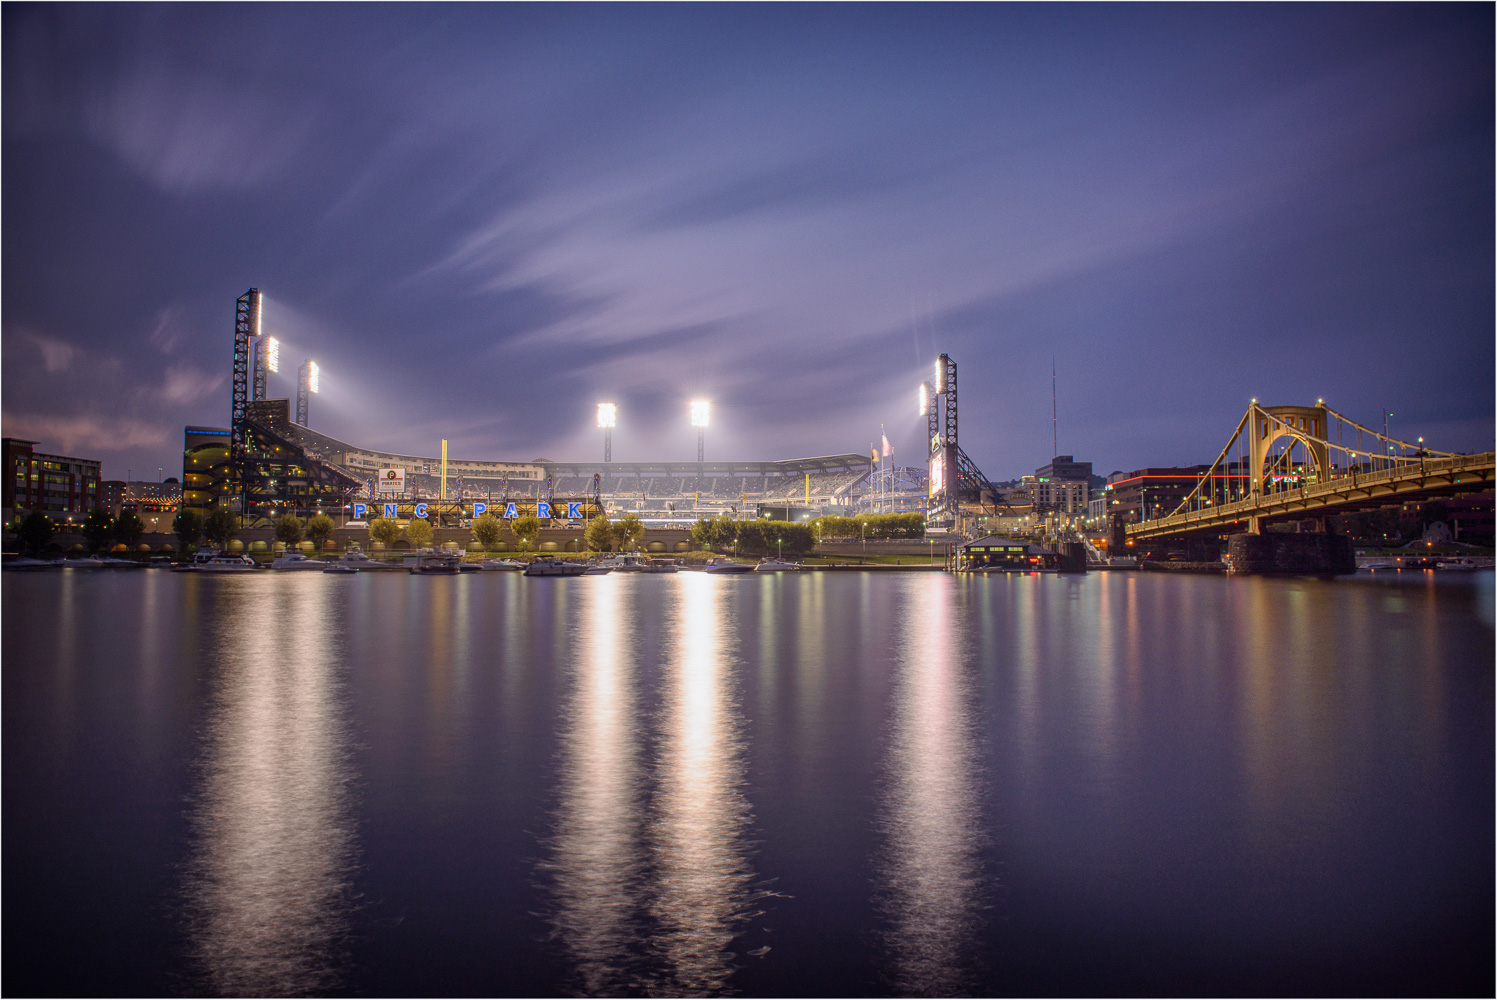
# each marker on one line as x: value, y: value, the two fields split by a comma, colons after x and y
x: 1237, y: 510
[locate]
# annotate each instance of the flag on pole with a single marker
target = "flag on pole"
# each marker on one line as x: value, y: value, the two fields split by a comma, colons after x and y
x: 888, y: 452
x: 874, y: 452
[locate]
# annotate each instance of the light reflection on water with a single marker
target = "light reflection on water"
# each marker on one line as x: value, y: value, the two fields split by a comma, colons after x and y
x: 648, y: 859
x: 930, y: 876
x: 267, y: 885
x: 597, y: 860
x: 1188, y: 785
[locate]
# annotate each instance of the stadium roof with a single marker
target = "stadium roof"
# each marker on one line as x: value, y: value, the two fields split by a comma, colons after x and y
x: 328, y: 449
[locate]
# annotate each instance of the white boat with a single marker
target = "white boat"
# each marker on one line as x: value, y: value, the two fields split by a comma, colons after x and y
x: 229, y: 564
x: 658, y: 566
x: 1460, y: 563
x: 554, y: 567
x: 469, y: 567
x: 727, y: 566
x: 199, y: 559
x: 501, y: 566
x: 296, y: 561
x: 336, y: 567
x: 356, y: 559
x: 1378, y: 565
x: 111, y: 562
x: 776, y: 566
x: 624, y: 562
x: 85, y: 562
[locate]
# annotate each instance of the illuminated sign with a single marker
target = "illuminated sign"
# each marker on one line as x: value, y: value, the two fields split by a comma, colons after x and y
x: 360, y: 510
x: 391, y: 481
x: 421, y: 510
x: 937, y: 474
x: 543, y: 510
x: 390, y: 510
x: 479, y: 508
x: 510, y: 512
x: 574, y: 509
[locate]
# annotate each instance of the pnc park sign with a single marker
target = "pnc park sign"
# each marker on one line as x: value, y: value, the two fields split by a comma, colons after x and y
x: 543, y: 509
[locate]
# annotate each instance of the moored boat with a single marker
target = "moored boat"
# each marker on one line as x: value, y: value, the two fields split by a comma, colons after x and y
x: 229, y: 564
x: 554, y: 567
x: 776, y: 566
x: 727, y: 566
x: 296, y: 561
x: 25, y: 563
x: 436, y: 563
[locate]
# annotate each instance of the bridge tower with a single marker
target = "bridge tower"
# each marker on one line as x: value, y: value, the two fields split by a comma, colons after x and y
x: 1271, y: 424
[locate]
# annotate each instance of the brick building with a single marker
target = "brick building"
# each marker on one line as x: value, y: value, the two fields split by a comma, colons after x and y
x: 62, y: 487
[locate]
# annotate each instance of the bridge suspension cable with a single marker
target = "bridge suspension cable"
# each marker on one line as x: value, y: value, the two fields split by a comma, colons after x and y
x: 1290, y: 448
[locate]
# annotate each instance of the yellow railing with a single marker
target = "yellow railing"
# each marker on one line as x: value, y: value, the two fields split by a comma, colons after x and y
x: 1237, y: 510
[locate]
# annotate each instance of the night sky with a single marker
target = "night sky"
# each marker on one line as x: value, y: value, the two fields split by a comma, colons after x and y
x: 483, y: 220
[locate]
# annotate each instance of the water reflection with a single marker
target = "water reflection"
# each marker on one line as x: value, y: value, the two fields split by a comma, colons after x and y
x: 267, y: 885
x: 649, y: 861
x: 598, y: 858
x: 702, y: 875
x: 929, y: 874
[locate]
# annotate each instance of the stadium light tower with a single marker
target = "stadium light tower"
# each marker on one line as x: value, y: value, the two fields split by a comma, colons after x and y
x: 306, y: 384
x: 267, y: 359
x: 700, y: 408
x: 608, y: 419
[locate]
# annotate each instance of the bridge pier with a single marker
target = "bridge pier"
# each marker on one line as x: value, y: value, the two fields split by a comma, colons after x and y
x: 1300, y: 554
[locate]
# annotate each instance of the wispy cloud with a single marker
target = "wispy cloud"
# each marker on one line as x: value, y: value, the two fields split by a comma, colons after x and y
x: 88, y: 434
x: 195, y: 132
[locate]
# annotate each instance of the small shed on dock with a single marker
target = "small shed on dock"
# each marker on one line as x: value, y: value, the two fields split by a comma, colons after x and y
x: 996, y: 552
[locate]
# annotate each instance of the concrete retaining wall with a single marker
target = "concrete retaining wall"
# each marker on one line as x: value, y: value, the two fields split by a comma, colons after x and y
x: 1312, y: 554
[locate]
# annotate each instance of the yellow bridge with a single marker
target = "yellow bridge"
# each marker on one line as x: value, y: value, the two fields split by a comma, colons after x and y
x: 1303, y: 462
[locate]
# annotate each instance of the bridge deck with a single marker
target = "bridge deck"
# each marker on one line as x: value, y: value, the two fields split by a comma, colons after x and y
x: 1433, y: 478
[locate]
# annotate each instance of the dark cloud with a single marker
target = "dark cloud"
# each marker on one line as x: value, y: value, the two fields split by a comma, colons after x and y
x: 482, y: 219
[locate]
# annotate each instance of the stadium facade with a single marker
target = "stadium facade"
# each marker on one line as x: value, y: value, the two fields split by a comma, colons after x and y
x: 294, y: 469
x: 265, y: 463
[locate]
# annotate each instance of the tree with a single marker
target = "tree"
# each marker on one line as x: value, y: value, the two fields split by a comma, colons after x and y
x: 599, y: 534
x: 320, y: 529
x: 702, y: 535
x: 526, y: 528
x: 628, y: 532
x: 384, y: 531
x: 419, y: 531
x: 289, y: 529
x: 128, y: 529
x: 98, y: 529
x: 36, y: 531
x: 221, y: 526
x: 487, y: 530
x: 188, y: 527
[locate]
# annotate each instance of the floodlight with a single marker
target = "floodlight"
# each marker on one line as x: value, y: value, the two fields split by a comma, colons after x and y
x: 940, y: 372
x: 699, y: 411
x: 608, y: 415
x: 272, y: 354
x: 312, y: 375
x: 924, y: 398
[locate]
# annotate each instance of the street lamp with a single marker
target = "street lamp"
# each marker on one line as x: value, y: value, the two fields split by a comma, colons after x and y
x: 608, y: 418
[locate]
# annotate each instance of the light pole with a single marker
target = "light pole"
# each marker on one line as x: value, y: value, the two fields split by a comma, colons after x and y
x: 608, y: 414
x: 700, y: 411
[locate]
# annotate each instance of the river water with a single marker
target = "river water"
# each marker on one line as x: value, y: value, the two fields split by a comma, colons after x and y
x: 813, y: 784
